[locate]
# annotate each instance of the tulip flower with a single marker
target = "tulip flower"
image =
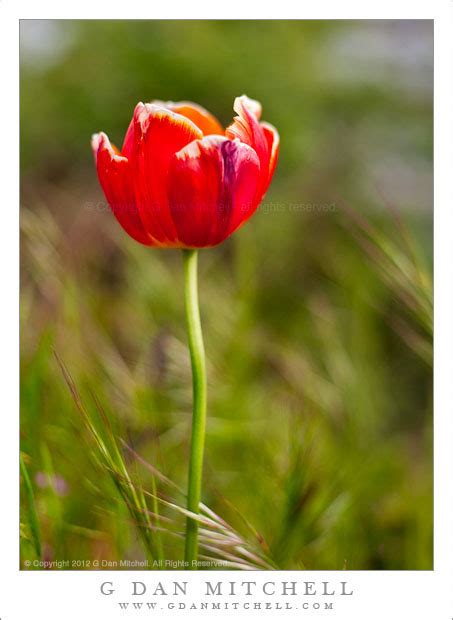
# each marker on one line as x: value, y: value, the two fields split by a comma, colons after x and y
x: 182, y: 181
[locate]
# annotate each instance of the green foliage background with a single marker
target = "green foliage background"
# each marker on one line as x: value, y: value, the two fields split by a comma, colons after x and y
x: 319, y: 349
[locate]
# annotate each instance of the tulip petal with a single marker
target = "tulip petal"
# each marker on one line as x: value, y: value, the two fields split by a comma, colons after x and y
x: 203, y: 119
x: 273, y: 143
x: 212, y: 185
x: 158, y: 135
x: 129, y: 139
x: 116, y: 181
x: 260, y: 136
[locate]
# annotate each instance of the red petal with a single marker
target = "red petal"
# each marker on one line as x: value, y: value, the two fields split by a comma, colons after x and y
x: 260, y: 136
x: 115, y: 179
x: 129, y: 140
x: 273, y: 143
x: 203, y: 119
x: 158, y: 135
x: 212, y: 184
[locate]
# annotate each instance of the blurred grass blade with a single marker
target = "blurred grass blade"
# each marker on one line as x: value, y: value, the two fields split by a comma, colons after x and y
x: 111, y: 460
x: 34, y: 522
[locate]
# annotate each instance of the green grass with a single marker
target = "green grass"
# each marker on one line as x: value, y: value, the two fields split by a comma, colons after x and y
x: 319, y: 429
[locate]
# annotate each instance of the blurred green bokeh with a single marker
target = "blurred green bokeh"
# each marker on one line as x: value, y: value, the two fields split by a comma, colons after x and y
x: 319, y: 361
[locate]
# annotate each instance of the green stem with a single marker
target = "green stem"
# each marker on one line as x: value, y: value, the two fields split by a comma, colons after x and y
x: 197, y: 357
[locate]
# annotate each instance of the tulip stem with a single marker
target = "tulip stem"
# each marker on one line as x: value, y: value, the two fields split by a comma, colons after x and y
x: 197, y: 357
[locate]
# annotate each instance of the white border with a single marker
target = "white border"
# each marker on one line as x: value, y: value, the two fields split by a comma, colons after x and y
x: 377, y: 595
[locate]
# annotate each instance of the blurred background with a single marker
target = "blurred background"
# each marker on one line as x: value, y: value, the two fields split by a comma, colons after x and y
x: 317, y: 314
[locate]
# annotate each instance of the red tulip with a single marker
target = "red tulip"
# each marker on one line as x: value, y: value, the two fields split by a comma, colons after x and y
x: 180, y: 180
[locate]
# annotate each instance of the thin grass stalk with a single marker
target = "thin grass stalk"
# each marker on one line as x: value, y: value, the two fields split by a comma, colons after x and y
x: 34, y: 522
